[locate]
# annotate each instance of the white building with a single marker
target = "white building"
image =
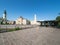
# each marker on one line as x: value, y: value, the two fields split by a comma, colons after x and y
x: 34, y: 22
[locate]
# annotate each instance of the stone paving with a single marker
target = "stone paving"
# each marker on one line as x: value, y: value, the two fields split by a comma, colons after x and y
x: 32, y: 36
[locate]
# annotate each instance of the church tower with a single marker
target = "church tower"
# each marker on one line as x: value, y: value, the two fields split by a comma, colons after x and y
x: 35, y: 18
x: 4, y: 17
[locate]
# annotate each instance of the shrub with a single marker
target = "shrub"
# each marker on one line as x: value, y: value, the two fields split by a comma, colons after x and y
x: 10, y: 30
x: 17, y: 28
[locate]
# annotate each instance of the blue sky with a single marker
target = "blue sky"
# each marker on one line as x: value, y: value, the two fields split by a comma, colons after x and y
x: 44, y: 9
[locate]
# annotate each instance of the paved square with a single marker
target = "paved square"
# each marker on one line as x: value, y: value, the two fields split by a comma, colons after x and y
x: 31, y: 36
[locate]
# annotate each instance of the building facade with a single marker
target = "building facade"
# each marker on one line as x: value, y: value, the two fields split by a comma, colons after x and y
x: 19, y: 20
x: 22, y: 21
x: 26, y: 22
x: 10, y: 22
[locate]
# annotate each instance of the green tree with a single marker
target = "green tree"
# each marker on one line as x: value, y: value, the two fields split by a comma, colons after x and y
x: 58, y: 20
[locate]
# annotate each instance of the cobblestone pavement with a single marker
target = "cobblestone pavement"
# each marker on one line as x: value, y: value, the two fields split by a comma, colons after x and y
x: 33, y: 36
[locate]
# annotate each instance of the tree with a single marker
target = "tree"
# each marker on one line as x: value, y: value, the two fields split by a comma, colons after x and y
x: 58, y: 19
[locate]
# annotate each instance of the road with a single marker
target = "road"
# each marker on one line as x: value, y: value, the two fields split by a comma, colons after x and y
x: 31, y: 36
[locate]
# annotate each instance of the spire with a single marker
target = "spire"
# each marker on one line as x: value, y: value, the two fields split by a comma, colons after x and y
x: 35, y: 17
x: 4, y: 11
x: 4, y: 14
x: 4, y: 17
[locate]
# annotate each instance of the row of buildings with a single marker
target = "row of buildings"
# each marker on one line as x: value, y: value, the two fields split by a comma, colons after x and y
x: 20, y: 20
x: 24, y: 21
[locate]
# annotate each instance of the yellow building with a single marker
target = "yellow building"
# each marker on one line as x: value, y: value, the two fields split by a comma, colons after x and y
x: 22, y: 21
x: 19, y: 20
